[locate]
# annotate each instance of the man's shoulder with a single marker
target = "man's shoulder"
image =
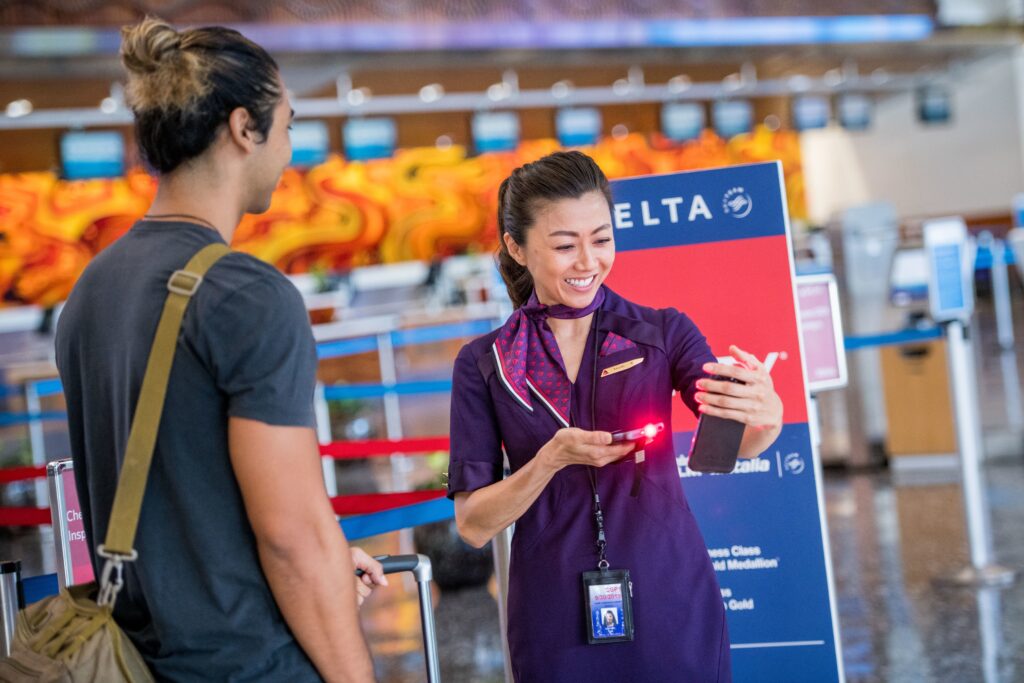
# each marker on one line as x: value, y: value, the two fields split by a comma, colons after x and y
x: 242, y: 279
x: 241, y: 268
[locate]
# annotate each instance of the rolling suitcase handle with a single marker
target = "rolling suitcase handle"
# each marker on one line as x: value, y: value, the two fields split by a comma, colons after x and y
x: 422, y: 571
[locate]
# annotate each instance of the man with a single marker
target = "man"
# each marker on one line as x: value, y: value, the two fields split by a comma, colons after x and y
x: 243, y: 572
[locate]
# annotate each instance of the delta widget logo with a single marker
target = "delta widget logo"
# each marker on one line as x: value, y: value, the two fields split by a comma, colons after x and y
x: 737, y: 203
x: 794, y: 463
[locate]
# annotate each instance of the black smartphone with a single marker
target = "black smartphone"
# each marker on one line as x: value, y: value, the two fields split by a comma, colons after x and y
x: 716, y: 443
x: 648, y: 431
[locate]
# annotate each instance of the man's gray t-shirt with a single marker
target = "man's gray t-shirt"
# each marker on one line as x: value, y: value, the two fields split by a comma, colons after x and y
x: 196, y: 602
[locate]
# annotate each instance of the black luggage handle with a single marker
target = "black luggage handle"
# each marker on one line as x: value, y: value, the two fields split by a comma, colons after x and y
x: 419, y: 565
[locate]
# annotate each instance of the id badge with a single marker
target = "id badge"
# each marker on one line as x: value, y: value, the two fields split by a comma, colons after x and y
x: 608, y: 601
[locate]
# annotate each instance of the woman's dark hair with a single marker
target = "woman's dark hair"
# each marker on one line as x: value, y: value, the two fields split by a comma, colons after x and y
x: 182, y: 86
x: 562, y: 175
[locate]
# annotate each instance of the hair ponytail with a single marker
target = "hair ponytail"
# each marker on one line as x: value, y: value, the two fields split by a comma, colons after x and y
x: 518, y: 280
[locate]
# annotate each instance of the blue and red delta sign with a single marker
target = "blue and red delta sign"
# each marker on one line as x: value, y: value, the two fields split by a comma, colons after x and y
x: 715, y: 244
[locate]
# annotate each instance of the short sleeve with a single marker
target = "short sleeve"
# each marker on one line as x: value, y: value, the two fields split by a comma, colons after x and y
x: 476, y: 459
x: 688, y: 351
x: 262, y: 353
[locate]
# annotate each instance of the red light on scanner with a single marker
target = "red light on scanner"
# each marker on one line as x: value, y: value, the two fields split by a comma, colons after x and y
x: 643, y: 434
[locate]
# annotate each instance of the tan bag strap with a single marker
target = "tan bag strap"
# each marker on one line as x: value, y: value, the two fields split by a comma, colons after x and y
x: 131, y: 485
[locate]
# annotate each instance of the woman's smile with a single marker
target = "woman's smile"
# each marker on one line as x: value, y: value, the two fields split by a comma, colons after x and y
x: 581, y: 284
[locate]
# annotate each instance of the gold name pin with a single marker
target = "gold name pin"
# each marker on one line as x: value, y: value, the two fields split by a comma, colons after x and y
x: 622, y: 366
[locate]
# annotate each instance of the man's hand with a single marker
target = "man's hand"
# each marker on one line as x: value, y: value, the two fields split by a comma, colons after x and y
x: 373, y: 574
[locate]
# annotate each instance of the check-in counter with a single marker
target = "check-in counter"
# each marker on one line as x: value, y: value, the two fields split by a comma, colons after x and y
x: 918, y: 406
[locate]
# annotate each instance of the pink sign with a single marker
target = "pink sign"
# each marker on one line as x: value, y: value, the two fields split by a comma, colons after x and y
x: 81, y: 565
x: 821, y: 333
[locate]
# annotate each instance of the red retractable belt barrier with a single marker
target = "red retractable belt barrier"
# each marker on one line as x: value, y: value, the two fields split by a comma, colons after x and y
x: 24, y: 516
x: 343, y: 505
x: 377, y: 448
x: 378, y: 502
x: 12, y: 474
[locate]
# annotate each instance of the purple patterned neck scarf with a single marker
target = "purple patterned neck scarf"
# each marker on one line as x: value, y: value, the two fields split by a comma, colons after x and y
x: 528, y: 358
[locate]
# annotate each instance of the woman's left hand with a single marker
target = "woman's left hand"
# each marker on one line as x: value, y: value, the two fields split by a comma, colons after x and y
x: 754, y: 403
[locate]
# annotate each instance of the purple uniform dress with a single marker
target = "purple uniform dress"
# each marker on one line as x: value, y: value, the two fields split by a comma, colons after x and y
x: 680, y: 620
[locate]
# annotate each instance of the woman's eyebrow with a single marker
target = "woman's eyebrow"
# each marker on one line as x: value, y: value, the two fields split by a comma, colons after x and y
x: 573, y: 233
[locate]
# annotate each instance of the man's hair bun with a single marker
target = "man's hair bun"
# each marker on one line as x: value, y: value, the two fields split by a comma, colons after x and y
x: 163, y: 73
x: 148, y: 45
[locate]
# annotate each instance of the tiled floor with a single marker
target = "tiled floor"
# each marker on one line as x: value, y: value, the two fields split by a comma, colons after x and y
x: 889, y: 544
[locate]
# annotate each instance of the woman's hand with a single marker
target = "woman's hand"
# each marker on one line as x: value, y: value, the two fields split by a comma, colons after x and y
x: 754, y: 403
x: 572, y: 446
x: 373, y: 574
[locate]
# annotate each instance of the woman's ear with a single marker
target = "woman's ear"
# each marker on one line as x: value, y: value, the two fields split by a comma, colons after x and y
x: 514, y: 250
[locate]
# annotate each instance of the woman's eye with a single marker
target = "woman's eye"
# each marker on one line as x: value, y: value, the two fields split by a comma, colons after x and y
x: 603, y: 240
x: 563, y: 247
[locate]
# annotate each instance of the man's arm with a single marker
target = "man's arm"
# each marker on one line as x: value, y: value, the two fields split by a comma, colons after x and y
x: 301, y: 547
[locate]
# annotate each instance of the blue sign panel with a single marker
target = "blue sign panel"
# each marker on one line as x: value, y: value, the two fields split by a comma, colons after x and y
x: 770, y: 570
x: 811, y: 111
x: 946, y: 259
x: 578, y: 126
x: 934, y: 104
x: 732, y: 117
x: 854, y: 111
x: 715, y: 244
x: 369, y: 138
x: 93, y: 154
x: 495, y: 131
x: 728, y: 204
x: 951, y: 269
x: 310, y: 143
x: 682, y: 121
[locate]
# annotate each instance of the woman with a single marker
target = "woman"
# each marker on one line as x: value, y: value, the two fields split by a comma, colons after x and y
x: 574, y: 363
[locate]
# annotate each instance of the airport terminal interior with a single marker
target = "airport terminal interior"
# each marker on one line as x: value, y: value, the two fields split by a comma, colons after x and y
x: 888, y: 545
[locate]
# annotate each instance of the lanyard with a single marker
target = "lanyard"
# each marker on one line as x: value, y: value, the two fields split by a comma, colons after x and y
x: 602, y: 542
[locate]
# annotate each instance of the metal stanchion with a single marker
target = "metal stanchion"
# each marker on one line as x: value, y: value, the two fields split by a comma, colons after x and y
x: 11, y: 601
x: 983, y: 571
x: 36, y: 437
x: 1012, y: 398
x: 990, y: 629
x: 324, y: 436
x: 1001, y: 295
x: 400, y: 464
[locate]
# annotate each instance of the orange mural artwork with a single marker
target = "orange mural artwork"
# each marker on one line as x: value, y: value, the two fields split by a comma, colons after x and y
x: 423, y: 203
